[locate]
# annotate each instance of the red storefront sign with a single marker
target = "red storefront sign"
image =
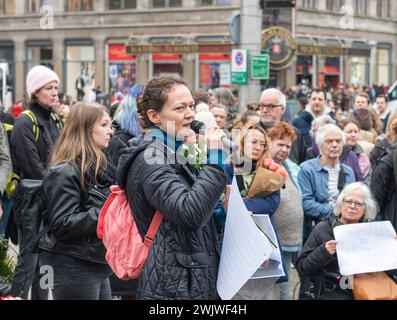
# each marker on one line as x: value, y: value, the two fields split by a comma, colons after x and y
x: 116, y: 52
x: 167, y: 57
x: 215, y: 56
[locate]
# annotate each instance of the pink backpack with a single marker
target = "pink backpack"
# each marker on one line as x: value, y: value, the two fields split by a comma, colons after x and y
x: 126, y: 253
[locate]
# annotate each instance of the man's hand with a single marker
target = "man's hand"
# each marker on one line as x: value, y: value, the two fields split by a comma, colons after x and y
x: 1, y: 211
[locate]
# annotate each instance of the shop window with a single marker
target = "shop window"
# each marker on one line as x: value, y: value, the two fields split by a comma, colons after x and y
x: 383, y: 65
x: 33, y: 6
x: 167, y: 64
x: 359, y: 68
x: 214, y: 70
x: 80, y: 71
x: 7, y: 7
x: 121, y: 4
x: 7, y: 63
x: 79, y: 5
x: 39, y: 54
x: 121, y: 69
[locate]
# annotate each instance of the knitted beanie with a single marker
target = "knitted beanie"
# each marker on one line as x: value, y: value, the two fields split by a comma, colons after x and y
x: 38, y: 77
x: 204, y: 115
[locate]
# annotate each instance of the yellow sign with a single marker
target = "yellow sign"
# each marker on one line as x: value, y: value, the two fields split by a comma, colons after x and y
x: 162, y: 48
x: 309, y: 50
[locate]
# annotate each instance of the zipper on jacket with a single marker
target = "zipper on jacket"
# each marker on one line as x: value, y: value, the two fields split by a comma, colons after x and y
x: 99, y: 193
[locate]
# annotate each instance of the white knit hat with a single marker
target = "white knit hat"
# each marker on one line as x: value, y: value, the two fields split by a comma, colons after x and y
x: 204, y: 115
x: 38, y: 77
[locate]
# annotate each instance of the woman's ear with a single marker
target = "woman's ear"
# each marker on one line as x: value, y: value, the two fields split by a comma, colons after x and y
x: 153, y: 116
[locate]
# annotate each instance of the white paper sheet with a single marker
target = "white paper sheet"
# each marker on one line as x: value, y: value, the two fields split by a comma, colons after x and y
x: 275, y: 266
x: 366, y: 247
x: 244, y: 247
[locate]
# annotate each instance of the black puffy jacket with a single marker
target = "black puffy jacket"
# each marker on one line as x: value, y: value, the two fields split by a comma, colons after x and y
x: 184, y: 258
x: 383, y: 185
x: 315, y: 262
x: 30, y: 157
x: 72, y: 213
x: 117, y: 142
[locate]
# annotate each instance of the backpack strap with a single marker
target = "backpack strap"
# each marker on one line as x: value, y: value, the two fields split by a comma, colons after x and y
x: 57, y: 120
x: 32, y: 117
x: 154, y: 226
x: 7, y: 127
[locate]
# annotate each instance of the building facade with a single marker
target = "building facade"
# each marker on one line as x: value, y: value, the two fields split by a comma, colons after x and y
x: 345, y: 41
x: 113, y: 44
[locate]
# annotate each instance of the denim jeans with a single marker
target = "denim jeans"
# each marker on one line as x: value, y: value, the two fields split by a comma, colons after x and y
x: 77, y: 279
x: 287, y: 259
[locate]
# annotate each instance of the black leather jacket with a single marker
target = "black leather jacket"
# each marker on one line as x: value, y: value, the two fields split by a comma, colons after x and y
x: 72, y: 214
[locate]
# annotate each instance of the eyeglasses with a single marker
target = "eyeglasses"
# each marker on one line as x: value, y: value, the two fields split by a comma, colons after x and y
x: 269, y: 106
x: 356, y: 204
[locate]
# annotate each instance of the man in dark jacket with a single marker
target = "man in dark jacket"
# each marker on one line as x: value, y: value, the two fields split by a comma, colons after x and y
x: 32, y: 140
x: 383, y: 185
x: 272, y: 105
x: 315, y: 109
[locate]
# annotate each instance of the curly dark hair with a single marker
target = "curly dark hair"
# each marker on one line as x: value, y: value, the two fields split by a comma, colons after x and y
x: 155, y: 95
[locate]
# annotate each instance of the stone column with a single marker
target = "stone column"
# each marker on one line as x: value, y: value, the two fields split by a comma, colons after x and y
x: 373, y: 64
x: 99, y: 47
x: 58, y: 52
x: 189, y: 68
x: 315, y: 72
x: 19, y: 54
x: 142, y: 64
x: 250, y: 39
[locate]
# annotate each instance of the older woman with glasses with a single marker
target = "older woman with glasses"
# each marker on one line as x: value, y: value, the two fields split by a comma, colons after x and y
x: 318, y: 259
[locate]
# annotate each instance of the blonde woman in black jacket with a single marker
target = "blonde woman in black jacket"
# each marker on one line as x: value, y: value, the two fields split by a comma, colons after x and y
x: 75, y: 189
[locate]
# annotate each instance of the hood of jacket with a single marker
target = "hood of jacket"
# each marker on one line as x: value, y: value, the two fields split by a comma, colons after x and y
x: 128, y: 155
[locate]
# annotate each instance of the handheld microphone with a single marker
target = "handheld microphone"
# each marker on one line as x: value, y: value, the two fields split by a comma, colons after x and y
x: 197, y: 126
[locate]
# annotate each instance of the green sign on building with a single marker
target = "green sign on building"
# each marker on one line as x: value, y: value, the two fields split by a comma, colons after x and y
x: 260, y: 67
x: 239, y: 77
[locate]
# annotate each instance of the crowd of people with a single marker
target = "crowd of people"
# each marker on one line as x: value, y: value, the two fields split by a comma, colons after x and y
x: 331, y: 165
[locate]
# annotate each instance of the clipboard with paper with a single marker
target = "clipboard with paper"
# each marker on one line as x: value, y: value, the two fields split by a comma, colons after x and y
x: 245, y: 248
x: 274, y: 267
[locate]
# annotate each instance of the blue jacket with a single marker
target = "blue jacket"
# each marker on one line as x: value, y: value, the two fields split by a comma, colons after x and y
x: 266, y: 205
x: 313, y: 182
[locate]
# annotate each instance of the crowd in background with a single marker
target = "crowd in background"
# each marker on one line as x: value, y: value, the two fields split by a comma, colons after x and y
x: 336, y: 139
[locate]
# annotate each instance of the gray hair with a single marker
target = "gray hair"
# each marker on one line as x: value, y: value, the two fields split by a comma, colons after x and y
x: 371, y: 207
x: 220, y: 106
x: 282, y: 99
x: 323, y: 131
x: 321, y: 121
x: 224, y: 96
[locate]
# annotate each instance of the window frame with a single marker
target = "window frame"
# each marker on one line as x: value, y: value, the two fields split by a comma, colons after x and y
x: 67, y: 6
x: 166, y: 4
x: 122, y: 5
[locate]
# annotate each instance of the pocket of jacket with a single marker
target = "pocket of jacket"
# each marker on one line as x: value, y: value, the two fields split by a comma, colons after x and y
x: 192, y: 260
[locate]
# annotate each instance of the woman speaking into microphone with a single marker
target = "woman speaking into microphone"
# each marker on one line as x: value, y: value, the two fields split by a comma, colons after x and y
x: 184, y: 257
